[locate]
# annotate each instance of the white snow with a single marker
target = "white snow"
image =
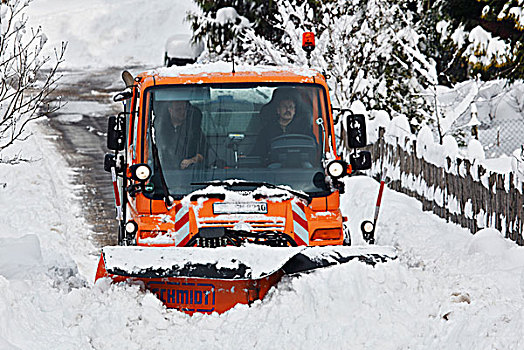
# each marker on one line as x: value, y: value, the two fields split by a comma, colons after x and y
x: 475, y: 150
x: 518, y: 14
x: 450, y: 147
x: 260, y: 261
x: 91, y: 108
x: 448, y: 288
x: 500, y: 165
x: 227, y: 67
x: 474, y: 121
x: 70, y: 118
x: 226, y: 15
x: 18, y: 255
x: 517, y: 163
x: 399, y: 130
x: 455, y: 102
x: 276, y: 194
x: 180, y: 46
x: 110, y: 33
x: 426, y: 146
x: 492, y: 48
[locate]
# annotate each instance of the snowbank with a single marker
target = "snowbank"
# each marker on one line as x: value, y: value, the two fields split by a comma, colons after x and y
x: 41, y: 215
x: 110, y: 33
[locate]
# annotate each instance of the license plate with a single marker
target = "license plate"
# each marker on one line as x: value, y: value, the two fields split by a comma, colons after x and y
x: 240, y: 208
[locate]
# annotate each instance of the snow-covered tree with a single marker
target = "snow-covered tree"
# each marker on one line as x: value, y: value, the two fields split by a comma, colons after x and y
x: 369, y: 50
x: 489, y: 35
x: 474, y: 42
x: 220, y: 31
x: 261, y: 14
x: 25, y: 87
x: 390, y: 55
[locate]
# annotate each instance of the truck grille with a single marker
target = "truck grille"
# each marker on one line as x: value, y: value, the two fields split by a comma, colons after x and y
x: 273, y: 225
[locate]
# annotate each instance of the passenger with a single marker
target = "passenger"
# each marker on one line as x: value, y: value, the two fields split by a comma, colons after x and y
x: 182, y: 141
x: 285, y: 121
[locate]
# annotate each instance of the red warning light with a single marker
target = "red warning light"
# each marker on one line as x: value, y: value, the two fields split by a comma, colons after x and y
x: 308, y: 41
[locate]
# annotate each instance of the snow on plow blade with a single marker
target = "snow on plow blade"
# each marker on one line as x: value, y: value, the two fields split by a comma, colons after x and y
x: 208, y: 280
x: 318, y: 257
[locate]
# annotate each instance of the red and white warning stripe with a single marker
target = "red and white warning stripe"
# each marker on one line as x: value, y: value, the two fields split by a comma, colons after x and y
x: 181, y: 225
x: 117, y: 194
x: 300, y: 226
x: 379, y: 200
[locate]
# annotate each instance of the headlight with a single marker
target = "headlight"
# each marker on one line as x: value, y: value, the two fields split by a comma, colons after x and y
x: 140, y: 172
x: 367, y: 227
x: 131, y: 227
x: 368, y: 231
x: 337, y: 169
x: 327, y: 234
x: 143, y: 172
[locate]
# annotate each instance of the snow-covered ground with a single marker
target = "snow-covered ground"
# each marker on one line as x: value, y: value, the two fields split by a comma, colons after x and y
x: 448, y: 289
x: 110, y: 33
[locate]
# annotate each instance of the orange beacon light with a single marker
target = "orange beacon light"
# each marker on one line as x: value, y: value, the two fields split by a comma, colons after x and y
x: 308, y: 41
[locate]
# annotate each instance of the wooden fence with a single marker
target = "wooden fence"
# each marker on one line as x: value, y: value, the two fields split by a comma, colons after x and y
x: 453, y: 193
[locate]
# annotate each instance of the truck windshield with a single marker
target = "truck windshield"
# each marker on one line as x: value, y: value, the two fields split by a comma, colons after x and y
x: 252, y: 132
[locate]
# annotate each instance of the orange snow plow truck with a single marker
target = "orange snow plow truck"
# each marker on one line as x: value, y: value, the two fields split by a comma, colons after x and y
x: 226, y: 180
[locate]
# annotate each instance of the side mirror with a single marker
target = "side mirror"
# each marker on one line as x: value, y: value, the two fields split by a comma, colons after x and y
x: 356, y: 131
x: 361, y: 160
x: 111, y: 161
x: 115, y: 133
x: 124, y: 95
x: 128, y: 78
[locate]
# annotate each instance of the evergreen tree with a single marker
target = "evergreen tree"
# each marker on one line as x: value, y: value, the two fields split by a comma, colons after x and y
x: 369, y: 49
x: 217, y: 36
x: 493, y: 32
x: 262, y: 14
x: 390, y: 55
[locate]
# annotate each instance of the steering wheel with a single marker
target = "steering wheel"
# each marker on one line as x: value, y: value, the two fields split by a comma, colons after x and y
x: 293, y: 149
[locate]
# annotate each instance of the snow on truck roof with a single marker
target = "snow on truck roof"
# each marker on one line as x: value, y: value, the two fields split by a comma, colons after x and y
x: 220, y: 68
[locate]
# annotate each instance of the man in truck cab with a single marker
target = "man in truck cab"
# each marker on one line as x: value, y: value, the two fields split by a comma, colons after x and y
x: 280, y: 117
x: 183, y: 141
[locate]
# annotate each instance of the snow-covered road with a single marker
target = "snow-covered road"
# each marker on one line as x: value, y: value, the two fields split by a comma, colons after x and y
x: 448, y: 289
x: 80, y: 127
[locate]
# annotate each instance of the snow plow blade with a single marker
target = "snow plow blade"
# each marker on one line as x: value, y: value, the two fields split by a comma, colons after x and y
x: 318, y: 257
x: 207, y: 280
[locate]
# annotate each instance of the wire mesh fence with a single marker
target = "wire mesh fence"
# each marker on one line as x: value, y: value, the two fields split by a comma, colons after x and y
x: 502, y: 137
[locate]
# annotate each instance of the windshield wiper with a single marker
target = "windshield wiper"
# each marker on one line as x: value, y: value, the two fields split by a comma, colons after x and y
x: 240, y: 183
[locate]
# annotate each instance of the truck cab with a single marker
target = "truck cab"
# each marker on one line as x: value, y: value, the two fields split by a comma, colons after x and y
x: 213, y: 157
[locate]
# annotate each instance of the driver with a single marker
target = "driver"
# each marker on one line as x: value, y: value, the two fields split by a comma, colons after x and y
x: 284, y: 122
x: 183, y: 140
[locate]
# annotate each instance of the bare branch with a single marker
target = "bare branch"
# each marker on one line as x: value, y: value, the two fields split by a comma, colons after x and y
x: 25, y: 93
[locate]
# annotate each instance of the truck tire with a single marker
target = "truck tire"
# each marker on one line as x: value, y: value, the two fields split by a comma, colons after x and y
x: 347, y: 235
x: 121, y: 236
